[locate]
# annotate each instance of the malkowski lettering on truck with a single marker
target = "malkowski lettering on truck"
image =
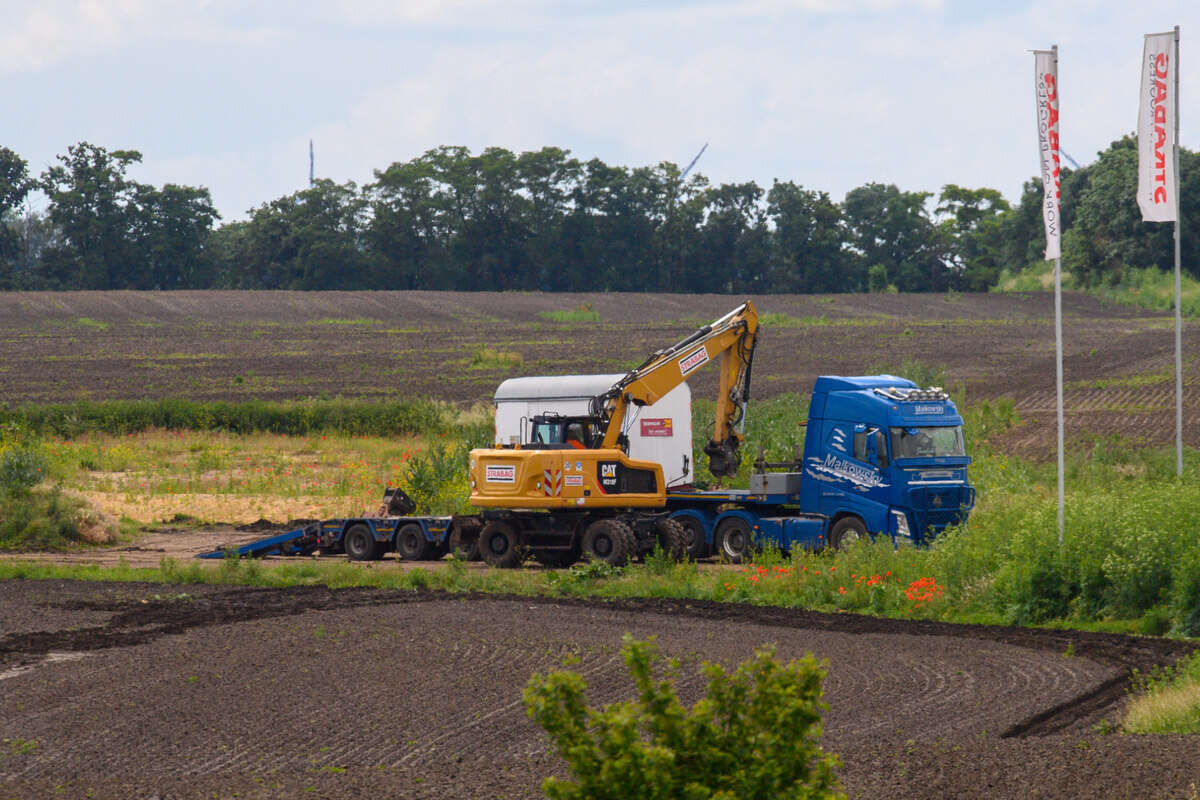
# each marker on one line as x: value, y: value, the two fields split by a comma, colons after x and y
x: 694, y: 361
x: 837, y: 467
x: 931, y: 409
x: 500, y: 474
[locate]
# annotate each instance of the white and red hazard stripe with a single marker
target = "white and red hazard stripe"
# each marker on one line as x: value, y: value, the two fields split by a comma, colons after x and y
x: 552, y: 482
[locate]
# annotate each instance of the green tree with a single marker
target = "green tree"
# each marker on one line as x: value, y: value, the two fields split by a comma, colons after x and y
x: 893, y: 228
x: 309, y: 240
x: 117, y: 233
x: 1106, y: 235
x: 14, y: 187
x: 974, y: 227
x: 810, y: 241
x: 733, y: 241
x: 755, y: 736
x: 95, y: 206
x: 175, y: 226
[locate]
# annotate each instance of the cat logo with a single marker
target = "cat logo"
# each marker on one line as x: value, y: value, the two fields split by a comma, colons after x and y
x: 608, y: 470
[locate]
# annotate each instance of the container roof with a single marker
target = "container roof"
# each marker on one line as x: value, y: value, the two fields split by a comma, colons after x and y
x: 555, y: 387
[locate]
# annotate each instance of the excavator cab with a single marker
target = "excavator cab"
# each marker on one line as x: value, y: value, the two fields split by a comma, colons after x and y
x: 554, y: 432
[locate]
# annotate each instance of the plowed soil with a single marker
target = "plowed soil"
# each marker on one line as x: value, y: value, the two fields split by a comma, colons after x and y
x: 1118, y: 362
x: 133, y: 690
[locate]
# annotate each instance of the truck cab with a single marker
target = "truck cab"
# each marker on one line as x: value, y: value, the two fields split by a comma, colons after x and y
x: 885, y: 453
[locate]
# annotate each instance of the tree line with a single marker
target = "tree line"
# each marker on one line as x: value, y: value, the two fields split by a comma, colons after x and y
x: 543, y: 220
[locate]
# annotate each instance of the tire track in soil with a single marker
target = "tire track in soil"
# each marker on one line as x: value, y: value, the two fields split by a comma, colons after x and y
x: 134, y: 623
x: 473, y: 654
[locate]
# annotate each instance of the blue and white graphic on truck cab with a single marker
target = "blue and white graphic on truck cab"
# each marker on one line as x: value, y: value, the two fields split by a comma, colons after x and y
x: 837, y: 440
x: 835, y: 467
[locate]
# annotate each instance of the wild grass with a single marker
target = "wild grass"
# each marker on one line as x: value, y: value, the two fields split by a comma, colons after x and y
x: 583, y: 313
x: 1167, y: 700
x: 491, y: 358
x: 1148, y: 287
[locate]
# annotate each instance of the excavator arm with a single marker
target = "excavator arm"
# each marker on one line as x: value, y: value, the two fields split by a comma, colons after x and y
x: 730, y: 341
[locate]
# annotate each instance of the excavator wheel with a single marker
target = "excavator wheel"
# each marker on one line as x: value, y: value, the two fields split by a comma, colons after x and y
x: 610, y: 541
x: 500, y: 545
x: 672, y: 539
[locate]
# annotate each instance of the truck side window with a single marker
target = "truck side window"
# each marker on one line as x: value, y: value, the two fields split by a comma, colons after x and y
x: 861, y: 450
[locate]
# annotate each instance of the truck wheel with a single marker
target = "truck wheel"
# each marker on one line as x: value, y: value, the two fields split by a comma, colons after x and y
x: 672, y: 539
x: 411, y: 544
x: 500, y: 545
x: 693, y: 537
x: 608, y: 540
x: 359, y: 544
x: 469, y: 551
x: 734, y: 540
x: 845, y: 531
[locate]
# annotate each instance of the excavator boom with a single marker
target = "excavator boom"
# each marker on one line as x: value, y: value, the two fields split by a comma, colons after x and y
x: 729, y: 340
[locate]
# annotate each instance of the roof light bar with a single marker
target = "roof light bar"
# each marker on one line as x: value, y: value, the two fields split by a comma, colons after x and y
x: 932, y: 394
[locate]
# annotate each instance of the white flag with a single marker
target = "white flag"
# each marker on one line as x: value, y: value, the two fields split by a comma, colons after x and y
x: 1046, y: 87
x: 1156, y: 129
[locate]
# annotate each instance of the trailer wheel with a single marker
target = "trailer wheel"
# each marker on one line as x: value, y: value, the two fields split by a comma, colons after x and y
x: 500, y: 545
x: 693, y: 537
x: 672, y: 539
x: 845, y: 531
x: 734, y: 540
x: 411, y: 544
x: 359, y: 544
x: 608, y: 540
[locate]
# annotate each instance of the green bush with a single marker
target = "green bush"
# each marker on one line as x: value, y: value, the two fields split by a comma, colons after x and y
x: 1185, y: 596
x: 755, y: 735
x: 40, y: 521
x: 21, y: 468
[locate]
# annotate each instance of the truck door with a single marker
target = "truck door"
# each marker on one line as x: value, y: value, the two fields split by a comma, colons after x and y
x: 851, y: 472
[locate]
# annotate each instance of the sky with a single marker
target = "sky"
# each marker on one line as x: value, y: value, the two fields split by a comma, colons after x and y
x: 829, y: 94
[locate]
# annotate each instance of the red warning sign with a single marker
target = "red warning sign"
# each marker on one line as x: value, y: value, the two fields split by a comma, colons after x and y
x: 657, y: 427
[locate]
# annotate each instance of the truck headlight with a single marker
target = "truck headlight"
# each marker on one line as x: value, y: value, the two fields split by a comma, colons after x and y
x: 901, y: 524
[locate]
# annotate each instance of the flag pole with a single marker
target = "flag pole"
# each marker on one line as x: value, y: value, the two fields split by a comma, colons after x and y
x: 1058, y: 360
x: 1178, y: 290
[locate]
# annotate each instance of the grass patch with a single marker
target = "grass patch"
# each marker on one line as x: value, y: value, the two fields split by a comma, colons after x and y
x: 583, y: 313
x: 491, y: 358
x: 1167, y: 701
x: 95, y: 324
x: 1129, y: 382
x: 1148, y: 287
x: 348, y: 321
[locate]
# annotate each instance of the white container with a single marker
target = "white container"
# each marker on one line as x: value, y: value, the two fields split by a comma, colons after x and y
x: 661, y: 432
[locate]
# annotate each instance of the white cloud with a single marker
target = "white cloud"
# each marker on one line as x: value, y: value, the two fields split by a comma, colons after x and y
x: 42, y: 34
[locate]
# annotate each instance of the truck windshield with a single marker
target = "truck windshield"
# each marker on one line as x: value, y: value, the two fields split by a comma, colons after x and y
x: 928, y: 442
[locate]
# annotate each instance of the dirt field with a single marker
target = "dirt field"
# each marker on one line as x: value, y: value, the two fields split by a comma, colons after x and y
x: 119, y: 691
x: 1118, y: 362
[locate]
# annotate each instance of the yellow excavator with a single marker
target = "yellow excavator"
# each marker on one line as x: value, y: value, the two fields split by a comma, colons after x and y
x: 573, y: 490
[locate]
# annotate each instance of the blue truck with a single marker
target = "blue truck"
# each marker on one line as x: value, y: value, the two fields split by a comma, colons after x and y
x: 881, y: 457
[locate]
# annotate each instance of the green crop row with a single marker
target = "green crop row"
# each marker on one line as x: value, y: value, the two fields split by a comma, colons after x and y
x: 252, y: 416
